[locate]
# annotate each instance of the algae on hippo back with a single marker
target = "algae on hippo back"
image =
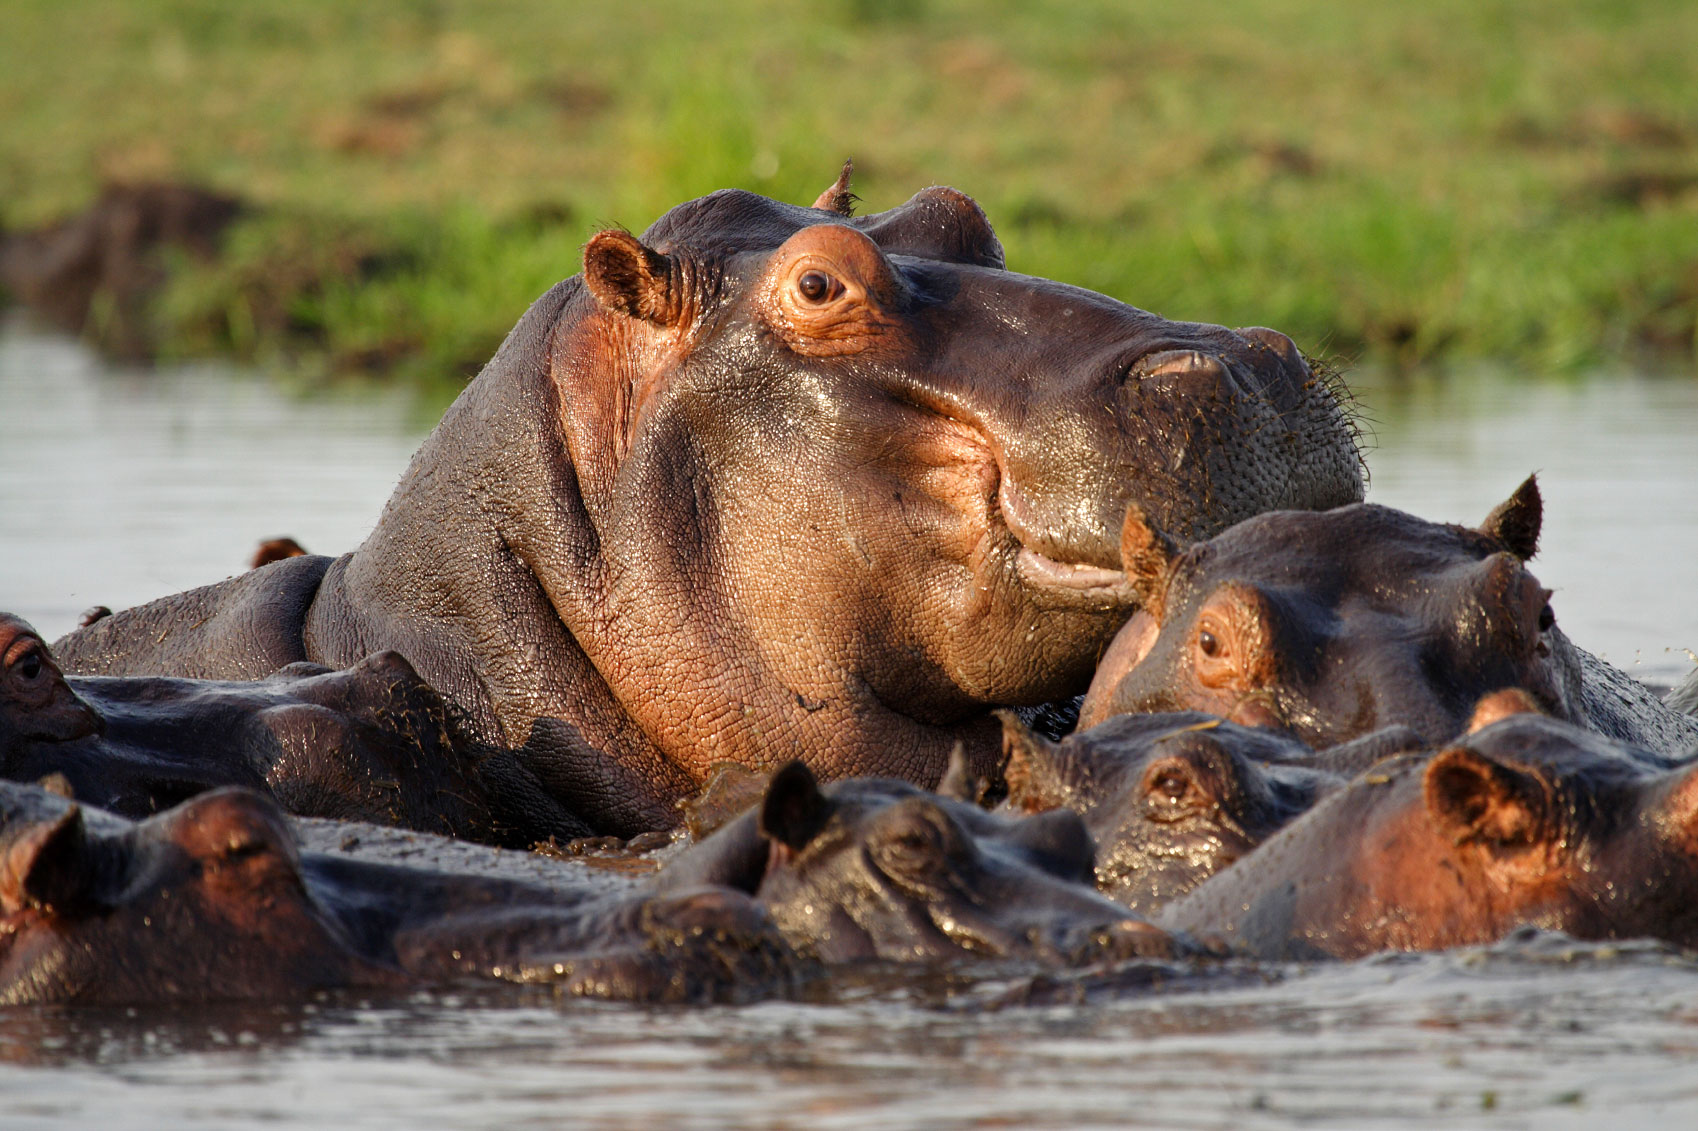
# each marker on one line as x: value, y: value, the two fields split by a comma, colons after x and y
x: 769, y: 481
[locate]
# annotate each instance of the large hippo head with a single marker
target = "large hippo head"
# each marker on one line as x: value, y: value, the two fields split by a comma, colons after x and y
x: 1330, y: 625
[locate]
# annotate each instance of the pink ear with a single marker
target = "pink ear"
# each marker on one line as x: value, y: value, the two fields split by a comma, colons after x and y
x: 1476, y: 798
x: 47, y: 865
x: 1146, y: 552
x: 630, y: 279
x: 1029, y: 767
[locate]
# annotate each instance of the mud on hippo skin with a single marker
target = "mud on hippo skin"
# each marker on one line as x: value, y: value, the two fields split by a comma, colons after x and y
x: 212, y: 900
x: 772, y: 479
x: 1526, y: 821
x: 1170, y: 799
x: 371, y: 743
x: 1330, y: 625
x: 878, y: 869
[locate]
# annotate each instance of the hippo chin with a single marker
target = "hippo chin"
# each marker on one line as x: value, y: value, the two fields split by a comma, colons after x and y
x: 1330, y: 625
x: 1527, y: 821
x: 213, y: 900
x: 773, y: 480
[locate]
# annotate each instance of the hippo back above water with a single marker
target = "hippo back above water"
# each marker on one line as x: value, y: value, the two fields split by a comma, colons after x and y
x: 769, y: 481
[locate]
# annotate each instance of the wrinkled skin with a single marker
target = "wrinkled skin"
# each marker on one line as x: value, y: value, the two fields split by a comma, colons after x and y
x: 1528, y: 821
x: 1171, y: 799
x: 772, y: 480
x: 878, y: 869
x: 212, y: 900
x: 1331, y: 625
x: 371, y: 743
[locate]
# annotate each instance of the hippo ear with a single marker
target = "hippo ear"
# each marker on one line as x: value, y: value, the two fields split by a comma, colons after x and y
x: 1515, y: 522
x: 1477, y: 799
x: 630, y: 279
x: 794, y: 810
x: 838, y: 198
x: 958, y: 782
x: 1496, y: 706
x: 1030, y: 767
x: 48, y: 864
x: 1146, y: 554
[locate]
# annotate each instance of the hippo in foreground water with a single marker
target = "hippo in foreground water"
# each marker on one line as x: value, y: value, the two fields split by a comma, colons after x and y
x: 1331, y: 625
x: 1527, y: 821
x: 213, y: 900
x: 1170, y: 799
x: 879, y: 869
x: 773, y: 481
x: 369, y: 743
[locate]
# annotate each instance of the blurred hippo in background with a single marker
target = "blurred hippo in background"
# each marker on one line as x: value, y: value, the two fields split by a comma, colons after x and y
x: 213, y: 900
x: 879, y: 869
x: 1526, y: 821
x: 1331, y: 625
x: 372, y: 742
x: 1170, y: 799
x: 771, y: 481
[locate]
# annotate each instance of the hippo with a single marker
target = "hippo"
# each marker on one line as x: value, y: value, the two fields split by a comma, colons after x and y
x: 1529, y: 821
x: 771, y: 481
x: 1333, y: 624
x: 1172, y: 798
x: 213, y: 900
x: 372, y: 742
x: 876, y: 868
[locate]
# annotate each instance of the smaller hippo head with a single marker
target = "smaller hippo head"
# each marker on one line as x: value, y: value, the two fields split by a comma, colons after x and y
x: 1330, y: 625
x: 204, y: 902
x: 1526, y: 821
x: 35, y: 701
x: 1170, y: 799
x: 876, y: 868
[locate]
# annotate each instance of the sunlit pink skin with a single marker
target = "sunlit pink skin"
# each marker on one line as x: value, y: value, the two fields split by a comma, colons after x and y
x: 1528, y: 821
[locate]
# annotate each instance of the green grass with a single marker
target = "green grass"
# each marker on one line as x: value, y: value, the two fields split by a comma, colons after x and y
x: 1391, y: 183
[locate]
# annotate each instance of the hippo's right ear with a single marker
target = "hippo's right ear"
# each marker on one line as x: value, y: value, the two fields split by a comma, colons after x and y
x: 1516, y: 521
x: 630, y: 279
x: 1146, y: 554
x: 794, y: 810
x: 47, y: 865
x: 1029, y: 766
x: 1475, y: 798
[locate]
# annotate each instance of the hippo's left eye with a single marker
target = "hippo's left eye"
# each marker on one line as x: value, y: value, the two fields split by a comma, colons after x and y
x: 1547, y: 618
x: 817, y: 286
x: 1207, y: 642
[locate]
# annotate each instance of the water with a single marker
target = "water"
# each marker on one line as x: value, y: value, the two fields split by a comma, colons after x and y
x: 118, y: 486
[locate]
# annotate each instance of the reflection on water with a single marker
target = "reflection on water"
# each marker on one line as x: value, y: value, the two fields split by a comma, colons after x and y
x: 117, y: 486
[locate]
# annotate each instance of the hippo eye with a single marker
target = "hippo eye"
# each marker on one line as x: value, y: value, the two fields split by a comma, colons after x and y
x: 913, y: 843
x: 816, y: 286
x: 1207, y: 642
x: 1547, y: 618
x: 29, y: 667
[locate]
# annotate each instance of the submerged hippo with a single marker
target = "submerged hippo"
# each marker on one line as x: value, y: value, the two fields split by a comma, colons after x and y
x: 370, y: 743
x: 1170, y: 799
x: 1330, y: 625
x: 1528, y: 821
x: 212, y: 900
x: 769, y: 481
x: 878, y: 869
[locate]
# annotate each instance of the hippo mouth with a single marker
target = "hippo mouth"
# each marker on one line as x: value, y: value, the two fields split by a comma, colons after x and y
x: 1038, y: 569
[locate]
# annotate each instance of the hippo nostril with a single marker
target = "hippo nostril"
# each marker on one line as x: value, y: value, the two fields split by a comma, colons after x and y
x: 1177, y: 363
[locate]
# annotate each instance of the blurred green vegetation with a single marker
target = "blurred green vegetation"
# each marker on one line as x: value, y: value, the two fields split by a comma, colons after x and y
x: 1387, y: 183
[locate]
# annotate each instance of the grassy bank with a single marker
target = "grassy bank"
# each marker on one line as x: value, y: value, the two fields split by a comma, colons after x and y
x: 1395, y: 183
